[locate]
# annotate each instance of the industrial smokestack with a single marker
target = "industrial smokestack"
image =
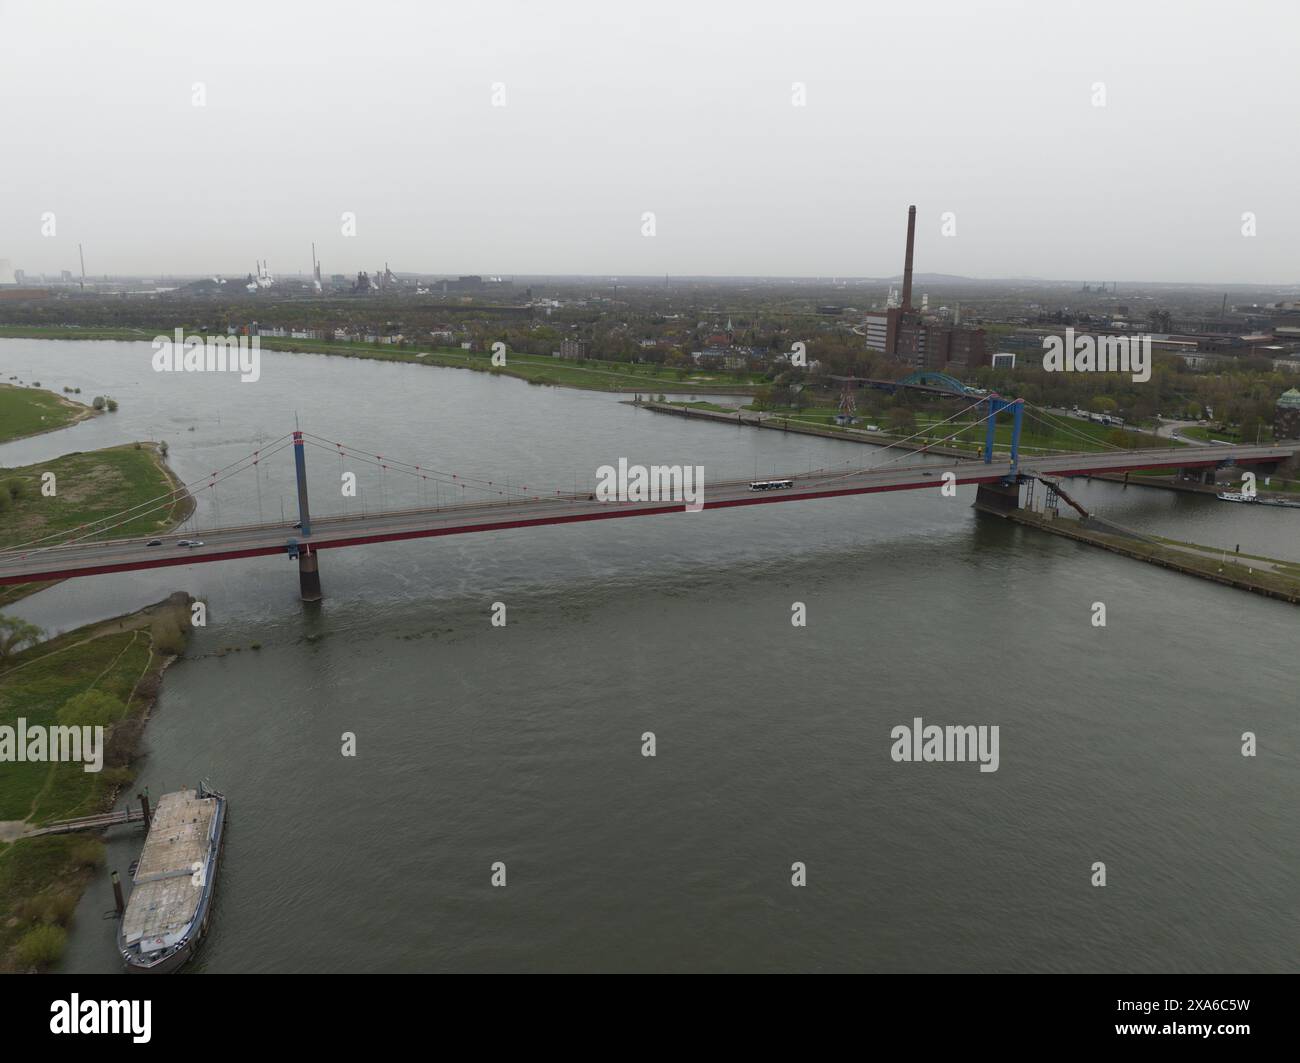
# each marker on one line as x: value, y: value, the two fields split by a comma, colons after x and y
x: 907, y: 262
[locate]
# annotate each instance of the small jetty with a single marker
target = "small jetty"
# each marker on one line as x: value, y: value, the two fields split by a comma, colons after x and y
x: 96, y: 822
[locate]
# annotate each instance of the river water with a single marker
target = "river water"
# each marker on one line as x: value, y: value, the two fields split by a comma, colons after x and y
x: 523, y: 744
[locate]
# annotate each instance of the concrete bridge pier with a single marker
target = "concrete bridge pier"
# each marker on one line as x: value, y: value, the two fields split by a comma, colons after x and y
x: 998, y: 498
x: 309, y: 577
x: 308, y: 566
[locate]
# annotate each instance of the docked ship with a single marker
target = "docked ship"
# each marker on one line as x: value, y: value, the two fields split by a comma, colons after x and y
x: 1239, y: 496
x: 174, y: 881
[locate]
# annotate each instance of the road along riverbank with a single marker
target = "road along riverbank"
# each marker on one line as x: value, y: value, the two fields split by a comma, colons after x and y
x: 1269, y: 577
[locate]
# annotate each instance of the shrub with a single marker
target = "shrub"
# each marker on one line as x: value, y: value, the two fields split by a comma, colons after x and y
x: 59, y: 909
x: 114, y: 778
x: 92, y: 708
x: 28, y: 910
x: 41, y: 947
x: 15, y: 634
x: 122, y: 740
x: 167, y: 637
x: 87, y: 852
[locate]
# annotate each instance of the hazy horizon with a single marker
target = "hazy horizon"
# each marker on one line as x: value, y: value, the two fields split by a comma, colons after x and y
x: 686, y: 111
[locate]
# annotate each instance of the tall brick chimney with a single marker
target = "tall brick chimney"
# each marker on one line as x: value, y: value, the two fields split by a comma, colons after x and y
x: 907, y: 263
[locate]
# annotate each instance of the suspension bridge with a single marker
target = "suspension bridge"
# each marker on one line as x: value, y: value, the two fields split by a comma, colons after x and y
x: 92, y: 549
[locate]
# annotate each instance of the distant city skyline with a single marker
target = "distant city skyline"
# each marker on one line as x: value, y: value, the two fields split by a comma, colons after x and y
x: 1106, y: 142
x: 1124, y: 285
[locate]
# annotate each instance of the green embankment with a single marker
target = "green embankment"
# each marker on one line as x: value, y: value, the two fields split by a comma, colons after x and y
x: 1224, y: 435
x: 1271, y: 576
x: 967, y: 433
x: 588, y: 374
x: 30, y: 411
x: 119, y: 662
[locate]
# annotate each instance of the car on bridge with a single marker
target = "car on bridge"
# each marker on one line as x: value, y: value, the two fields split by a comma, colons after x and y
x: 154, y: 542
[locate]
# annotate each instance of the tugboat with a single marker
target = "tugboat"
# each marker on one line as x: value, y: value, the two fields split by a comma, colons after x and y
x: 174, y: 882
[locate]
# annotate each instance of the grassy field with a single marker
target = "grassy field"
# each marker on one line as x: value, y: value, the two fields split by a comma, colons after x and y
x: 88, y: 485
x: 712, y: 407
x: 1034, y: 437
x: 1207, y: 434
x: 1070, y: 436
x: 74, y: 332
x: 42, y: 878
x: 588, y: 374
x: 35, y: 686
x: 29, y: 411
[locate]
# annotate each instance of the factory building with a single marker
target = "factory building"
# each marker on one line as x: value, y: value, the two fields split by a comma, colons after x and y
x: 904, y: 333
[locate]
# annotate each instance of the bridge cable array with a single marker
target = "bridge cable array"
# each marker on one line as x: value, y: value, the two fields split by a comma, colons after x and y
x: 426, y: 473
x: 163, y: 501
x: 909, y: 453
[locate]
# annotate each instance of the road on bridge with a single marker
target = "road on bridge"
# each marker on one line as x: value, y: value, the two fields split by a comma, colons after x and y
x: 120, y: 555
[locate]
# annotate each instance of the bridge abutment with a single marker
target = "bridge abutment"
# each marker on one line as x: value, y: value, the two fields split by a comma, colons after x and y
x: 997, y: 498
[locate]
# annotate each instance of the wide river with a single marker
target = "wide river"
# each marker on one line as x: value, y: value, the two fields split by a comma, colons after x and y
x: 523, y: 744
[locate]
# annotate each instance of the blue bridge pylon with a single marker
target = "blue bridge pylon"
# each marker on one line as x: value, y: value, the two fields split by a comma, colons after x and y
x: 997, y: 404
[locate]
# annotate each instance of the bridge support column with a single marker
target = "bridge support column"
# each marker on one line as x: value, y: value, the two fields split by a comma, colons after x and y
x: 1198, y: 474
x: 309, y: 577
x: 308, y: 567
x: 997, y: 498
x: 995, y: 406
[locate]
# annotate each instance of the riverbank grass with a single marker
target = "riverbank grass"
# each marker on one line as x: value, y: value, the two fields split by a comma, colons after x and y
x: 88, y: 486
x: 585, y: 374
x: 31, y: 411
x: 119, y: 662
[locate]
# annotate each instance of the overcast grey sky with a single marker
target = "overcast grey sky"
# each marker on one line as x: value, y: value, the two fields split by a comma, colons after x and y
x: 385, y: 109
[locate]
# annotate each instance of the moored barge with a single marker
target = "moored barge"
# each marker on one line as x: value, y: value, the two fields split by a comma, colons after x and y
x: 174, y: 882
